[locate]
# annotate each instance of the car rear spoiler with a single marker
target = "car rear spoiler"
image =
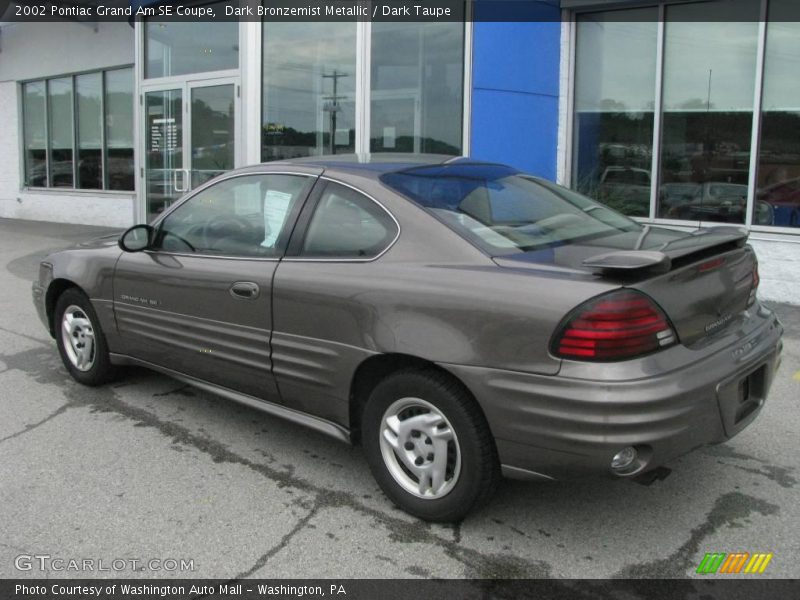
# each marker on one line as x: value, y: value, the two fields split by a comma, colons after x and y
x: 660, y: 260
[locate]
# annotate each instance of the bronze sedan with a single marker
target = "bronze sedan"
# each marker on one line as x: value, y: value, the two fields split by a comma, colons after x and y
x: 460, y: 320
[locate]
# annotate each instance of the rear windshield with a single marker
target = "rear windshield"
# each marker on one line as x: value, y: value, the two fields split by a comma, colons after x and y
x: 504, y: 211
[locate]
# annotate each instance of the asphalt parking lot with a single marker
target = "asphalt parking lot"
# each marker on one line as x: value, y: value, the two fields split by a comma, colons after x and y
x: 149, y: 468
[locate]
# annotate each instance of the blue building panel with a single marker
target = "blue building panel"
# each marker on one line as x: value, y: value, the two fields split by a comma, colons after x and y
x: 516, y: 128
x: 517, y: 56
x: 515, y: 89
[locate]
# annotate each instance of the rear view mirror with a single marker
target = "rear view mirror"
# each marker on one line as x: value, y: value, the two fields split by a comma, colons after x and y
x: 137, y: 238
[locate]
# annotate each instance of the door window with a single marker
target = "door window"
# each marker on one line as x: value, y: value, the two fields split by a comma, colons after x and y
x: 242, y: 216
x: 347, y: 224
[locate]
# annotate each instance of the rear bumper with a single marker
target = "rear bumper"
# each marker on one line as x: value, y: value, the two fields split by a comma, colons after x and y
x: 571, y: 424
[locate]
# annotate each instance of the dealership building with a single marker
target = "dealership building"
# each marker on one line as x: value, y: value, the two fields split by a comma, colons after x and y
x: 676, y: 113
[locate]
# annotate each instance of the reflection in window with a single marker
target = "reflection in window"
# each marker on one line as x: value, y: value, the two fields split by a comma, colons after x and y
x: 779, y: 160
x: 614, y: 104
x: 35, y: 131
x: 309, y: 89
x: 348, y: 224
x: 503, y: 211
x: 179, y: 48
x: 59, y: 97
x: 119, y: 129
x: 709, y: 82
x: 241, y: 216
x: 88, y: 98
x: 163, y: 157
x: 102, y: 121
x: 212, y: 132
x: 417, y: 85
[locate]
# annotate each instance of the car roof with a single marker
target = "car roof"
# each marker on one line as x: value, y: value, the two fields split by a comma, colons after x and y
x: 375, y: 165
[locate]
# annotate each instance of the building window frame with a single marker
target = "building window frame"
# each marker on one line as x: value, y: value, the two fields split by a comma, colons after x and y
x: 73, y: 189
x: 566, y: 125
x: 363, y: 87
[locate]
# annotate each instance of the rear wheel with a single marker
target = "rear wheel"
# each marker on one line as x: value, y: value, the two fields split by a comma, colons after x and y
x: 428, y: 445
x: 80, y: 339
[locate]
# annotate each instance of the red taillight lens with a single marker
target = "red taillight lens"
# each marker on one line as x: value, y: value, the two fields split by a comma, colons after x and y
x: 616, y: 326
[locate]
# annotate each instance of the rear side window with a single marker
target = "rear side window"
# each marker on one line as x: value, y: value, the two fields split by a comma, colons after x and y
x: 505, y: 212
x: 347, y: 224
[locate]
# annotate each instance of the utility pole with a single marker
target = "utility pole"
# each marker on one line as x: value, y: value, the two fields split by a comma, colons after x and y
x: 332, y: 105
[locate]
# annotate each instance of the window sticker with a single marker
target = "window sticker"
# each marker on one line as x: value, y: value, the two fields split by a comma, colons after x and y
x: 276, y: 208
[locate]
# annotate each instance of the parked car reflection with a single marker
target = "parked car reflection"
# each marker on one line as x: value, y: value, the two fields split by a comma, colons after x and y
x: 784, y: 199
x: 720, y: 202
x: 626, y: 189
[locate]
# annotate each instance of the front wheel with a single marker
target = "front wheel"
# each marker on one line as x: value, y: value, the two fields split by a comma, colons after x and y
x: 80, y: 339
x: 429, y: 446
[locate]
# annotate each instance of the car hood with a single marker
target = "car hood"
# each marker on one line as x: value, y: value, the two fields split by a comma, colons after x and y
x: 104, y: 241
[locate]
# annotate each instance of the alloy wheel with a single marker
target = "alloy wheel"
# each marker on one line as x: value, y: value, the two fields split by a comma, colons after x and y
x: 420, y: 448
x: 77, y: 335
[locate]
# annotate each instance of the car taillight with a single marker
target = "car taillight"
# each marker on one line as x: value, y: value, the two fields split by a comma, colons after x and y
x: 754, y: 290
x: 615, y: 326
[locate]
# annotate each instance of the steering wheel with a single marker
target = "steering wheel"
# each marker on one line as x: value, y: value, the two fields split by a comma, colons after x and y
x: 224, y: 226
x: 179, y: 238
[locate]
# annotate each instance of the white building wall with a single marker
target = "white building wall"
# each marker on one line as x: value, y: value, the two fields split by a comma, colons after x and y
x: 778, y: 262
x: 34, y: 50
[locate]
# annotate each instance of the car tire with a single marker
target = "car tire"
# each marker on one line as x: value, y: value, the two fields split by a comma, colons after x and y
x: 422, y: 430
x: 80, y: 339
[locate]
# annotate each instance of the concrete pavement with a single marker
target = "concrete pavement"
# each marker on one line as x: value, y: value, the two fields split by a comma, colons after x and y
x: 148, y: 468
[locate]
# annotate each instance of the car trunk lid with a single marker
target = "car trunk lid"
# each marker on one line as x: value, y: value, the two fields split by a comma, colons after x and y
x: 702, y: 280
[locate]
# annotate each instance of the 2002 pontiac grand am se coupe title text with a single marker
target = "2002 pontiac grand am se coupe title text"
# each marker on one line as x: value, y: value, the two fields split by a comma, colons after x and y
x: 460, y: 320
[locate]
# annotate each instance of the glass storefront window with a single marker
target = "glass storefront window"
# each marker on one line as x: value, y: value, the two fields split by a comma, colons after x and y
x: 778, y: 191
x: 309, y: 79
x: 88, y: 99
x: 35, y: 133
x: 614, y: 106
x: 313, y: 88
x: 708, y: 81
x: 78, y: 118
x: 59, y: 99
x: 119, y: 129
x: 180, y: 48
x: 417, y: 81
x: 709, y: 84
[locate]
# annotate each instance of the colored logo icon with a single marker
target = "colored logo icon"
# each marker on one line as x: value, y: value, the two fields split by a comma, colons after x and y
x: 734, y: 562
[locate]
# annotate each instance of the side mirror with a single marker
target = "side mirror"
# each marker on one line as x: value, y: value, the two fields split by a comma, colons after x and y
x: 137, y: 238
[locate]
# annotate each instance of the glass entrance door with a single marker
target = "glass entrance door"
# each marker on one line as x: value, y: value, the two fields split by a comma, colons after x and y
x: 163, y: 151
x: 213, y: 141
x: 190, y: 136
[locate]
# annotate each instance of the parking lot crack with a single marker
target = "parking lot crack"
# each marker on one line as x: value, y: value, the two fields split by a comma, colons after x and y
x: 26, y: 336
x: 264, y: 558
x: 728, y: 510
x: 32, y: 426
x: 779, y: 475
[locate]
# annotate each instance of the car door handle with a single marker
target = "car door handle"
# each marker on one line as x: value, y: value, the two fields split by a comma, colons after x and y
x: 246, y: 290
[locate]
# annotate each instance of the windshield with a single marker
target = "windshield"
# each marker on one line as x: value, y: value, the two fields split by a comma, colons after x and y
x: 504, y: 211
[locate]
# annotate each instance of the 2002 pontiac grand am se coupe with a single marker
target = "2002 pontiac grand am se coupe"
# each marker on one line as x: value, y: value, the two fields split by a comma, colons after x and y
x: 460, y: 320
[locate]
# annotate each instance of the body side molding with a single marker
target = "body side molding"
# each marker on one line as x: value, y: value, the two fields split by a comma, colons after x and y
x: 327, y: 427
